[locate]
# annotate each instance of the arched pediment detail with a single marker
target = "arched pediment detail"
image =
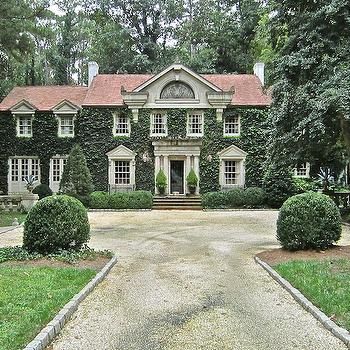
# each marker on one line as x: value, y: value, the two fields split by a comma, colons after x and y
x: 177, y: 90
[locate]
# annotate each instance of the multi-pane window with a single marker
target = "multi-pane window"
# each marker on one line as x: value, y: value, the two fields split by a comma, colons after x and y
x: 302, y: 170
x: 195, y: 124
x: 14, y: 169
x: 122, y: 172
x: 24, y: 126
x: 232, y: 125
x: 121, y: 125
x: 19, y: 169
x: 57, y: 168
x: 230, y: 172
x: 66, y: 125
x: 158, y: 124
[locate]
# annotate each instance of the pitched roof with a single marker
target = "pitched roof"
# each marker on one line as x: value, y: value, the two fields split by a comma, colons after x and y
x: 106, y: 90
x: 247, y: 88
x: 44, y: 98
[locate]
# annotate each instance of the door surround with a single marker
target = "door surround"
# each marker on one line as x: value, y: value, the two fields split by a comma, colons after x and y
x: 167, y: 150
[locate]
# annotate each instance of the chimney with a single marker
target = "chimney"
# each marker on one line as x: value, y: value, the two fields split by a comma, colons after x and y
x: 93, y: 71
x: 259, y: 71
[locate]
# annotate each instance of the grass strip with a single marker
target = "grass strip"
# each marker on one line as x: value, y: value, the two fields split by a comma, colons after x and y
x: 325, y: 283
x: 7, y: 217
x: 30, y: 297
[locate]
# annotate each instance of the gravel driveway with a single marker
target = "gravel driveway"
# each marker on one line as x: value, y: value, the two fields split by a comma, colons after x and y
x: 187, y: 280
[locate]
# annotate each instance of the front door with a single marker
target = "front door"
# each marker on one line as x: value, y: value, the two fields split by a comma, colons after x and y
x: 177, y: 176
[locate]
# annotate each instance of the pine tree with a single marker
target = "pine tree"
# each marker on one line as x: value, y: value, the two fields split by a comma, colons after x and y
x: 76, y: 179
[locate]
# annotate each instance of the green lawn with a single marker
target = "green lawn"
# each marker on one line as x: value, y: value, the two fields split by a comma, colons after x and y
x: 7, y: 217
x: 30, y: 297
x: 326, y: 284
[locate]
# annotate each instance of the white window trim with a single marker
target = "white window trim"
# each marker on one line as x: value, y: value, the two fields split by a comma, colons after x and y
x: 56, y: 184
x: 115, y: 134
x: 59, y: 119
x: 240, y: 172
x: 164, y: 115
x: 27, y: 115
x: 307, y: 175
x: 20, y: 183
x: 239, y: 126
x: 188, y: 124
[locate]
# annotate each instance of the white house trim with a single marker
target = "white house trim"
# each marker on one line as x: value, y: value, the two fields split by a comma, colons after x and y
x: 121, y: 153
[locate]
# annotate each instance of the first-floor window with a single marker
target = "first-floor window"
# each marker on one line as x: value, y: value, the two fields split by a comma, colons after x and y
x: 24, y: 126
x: 232, y: 125
x: 302, y: 170
x: 122, y: 172
x: 66, y: 126
x: 195, y: 124
x: 230, y: 172
x: 158, y: 124
x: 19, y: 168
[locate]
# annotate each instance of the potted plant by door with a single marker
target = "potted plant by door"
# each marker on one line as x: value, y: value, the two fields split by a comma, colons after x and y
x: 192, y: 181
x: 161, y: 182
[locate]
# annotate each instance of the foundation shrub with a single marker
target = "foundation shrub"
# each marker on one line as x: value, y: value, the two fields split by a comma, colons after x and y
x: 235, y: 198
x: 121, y: 200
x: 214, y: 200
x: 308, y: 221
x: 254, y: 197
x: 56, y: 223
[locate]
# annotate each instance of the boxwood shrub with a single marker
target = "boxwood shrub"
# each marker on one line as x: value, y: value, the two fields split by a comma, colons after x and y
x: 308, y: 220
x: 56, y: 223
x: 121, y: 200
x: 251, y: 197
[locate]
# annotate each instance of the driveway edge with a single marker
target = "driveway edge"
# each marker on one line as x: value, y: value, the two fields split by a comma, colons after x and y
x: 54, y: 327
x: 337, y: 331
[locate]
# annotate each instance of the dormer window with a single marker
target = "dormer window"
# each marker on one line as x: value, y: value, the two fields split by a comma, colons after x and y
x: 66, y: 125
x: 24, y: 125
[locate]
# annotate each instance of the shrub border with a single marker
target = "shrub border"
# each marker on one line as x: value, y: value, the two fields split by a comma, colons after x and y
x: 339, y: 332
x: 54, y: 327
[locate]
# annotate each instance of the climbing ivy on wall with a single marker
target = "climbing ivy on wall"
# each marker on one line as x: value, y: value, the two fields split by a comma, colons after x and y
x: 93, y: 130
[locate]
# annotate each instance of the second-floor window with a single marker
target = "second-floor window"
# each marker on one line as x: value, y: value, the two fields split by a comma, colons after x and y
x: 24, y: 126
x: 66, y: 125
x: 158, y: 124
x: 232, y: 126
x: 195, y: 124
x: 121, y: 125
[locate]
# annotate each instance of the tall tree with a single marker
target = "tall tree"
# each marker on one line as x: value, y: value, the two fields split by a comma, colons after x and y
x: 310, y: 111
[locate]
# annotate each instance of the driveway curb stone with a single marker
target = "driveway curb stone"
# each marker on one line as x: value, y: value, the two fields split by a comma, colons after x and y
x: 53, y: 328
x: 337, y: 331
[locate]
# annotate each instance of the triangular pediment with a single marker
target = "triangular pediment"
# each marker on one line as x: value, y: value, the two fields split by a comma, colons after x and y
x: 23, y: 107
x: 232, y: 152
x: 65, y: 106
x: 121, y: 152
x: 175, y: 70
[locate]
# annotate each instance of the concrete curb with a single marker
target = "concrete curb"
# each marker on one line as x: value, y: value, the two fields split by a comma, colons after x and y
x: 116, y: 210
x: 53, y: 328
x: 242, y: 209
x: 337, y: 331
x: 11, y: 228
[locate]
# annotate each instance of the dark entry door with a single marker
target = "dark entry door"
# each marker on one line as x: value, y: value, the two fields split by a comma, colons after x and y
x: 177, y: 176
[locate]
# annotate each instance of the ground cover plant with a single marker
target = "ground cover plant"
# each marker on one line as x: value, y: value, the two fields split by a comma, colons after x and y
x: 7, y: 217
x: 324, y: 283
x: 31, y: 297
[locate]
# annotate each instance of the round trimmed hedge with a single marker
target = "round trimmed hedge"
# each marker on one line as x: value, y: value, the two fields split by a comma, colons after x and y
x: 308, y: 221
x: 54, y: 223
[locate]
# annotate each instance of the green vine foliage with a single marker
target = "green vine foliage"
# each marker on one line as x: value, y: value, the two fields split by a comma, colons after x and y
x: 93, y: 130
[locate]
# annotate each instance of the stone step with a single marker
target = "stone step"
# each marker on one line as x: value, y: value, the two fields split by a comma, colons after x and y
x: 175, y: 207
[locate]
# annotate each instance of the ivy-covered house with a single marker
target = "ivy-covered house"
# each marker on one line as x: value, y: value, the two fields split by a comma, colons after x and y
x: 131, y: 126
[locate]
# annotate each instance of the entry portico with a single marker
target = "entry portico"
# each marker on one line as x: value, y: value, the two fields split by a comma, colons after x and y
x: 176, y: 158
